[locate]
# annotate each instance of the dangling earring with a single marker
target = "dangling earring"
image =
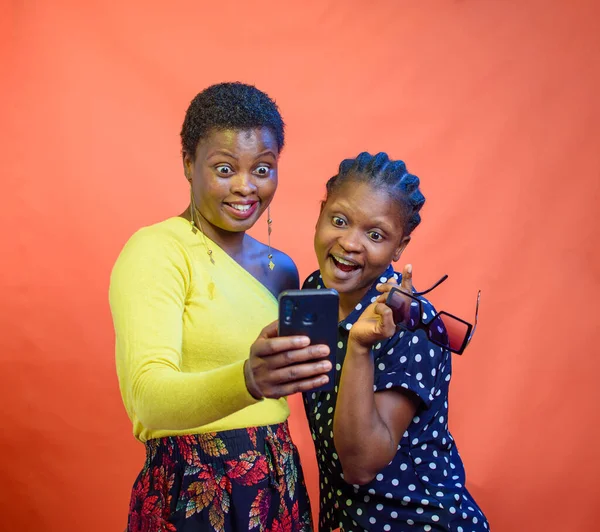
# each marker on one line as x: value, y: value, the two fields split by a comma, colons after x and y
x: 193, y: 224
x: 269, y: 229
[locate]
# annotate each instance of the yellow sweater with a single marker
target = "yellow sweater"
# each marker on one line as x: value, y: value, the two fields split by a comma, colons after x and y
x: 184, y: 327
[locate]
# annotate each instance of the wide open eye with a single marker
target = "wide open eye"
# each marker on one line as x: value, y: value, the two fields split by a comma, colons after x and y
x: 263, y: 170
x: 375, y: 236
x: 224, y: 169
x: 338, y: 222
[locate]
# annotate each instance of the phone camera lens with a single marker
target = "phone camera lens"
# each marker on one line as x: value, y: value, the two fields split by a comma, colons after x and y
x: 309, y: 318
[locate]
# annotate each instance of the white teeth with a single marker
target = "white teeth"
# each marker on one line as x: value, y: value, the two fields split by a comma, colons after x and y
x: 241, y: 208
x: 342, y: 261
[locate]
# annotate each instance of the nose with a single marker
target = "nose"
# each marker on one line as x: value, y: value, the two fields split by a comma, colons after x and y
x: 350, y: 241
x: 243, y: 184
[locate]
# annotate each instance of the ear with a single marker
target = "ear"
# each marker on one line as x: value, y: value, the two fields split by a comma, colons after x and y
x: 398, y: 252
x: 188, y: 166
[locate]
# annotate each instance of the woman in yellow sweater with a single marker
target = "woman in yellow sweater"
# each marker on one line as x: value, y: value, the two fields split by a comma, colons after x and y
x: 206, y: 398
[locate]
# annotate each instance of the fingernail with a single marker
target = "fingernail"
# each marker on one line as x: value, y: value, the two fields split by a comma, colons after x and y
x: 302, y: 340
x: 323, y: 350
x: 409, y: 268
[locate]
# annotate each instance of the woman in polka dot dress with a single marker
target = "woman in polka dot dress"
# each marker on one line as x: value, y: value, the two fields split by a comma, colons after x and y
x: 386, y: 458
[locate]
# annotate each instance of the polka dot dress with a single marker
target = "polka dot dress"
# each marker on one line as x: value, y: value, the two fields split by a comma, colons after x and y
x: 423, y: 487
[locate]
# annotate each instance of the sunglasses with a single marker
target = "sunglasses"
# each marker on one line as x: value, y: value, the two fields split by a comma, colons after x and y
x: 443, y: 329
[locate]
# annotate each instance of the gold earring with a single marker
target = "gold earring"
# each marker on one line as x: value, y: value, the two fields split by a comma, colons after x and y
x: 195, y: 229
x: 269, y: 229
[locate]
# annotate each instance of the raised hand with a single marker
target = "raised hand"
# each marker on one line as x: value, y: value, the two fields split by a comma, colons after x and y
x: 376, y: 322
x: 406, y: 284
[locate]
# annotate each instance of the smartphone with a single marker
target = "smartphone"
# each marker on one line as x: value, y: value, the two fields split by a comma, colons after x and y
x: 312, y: 313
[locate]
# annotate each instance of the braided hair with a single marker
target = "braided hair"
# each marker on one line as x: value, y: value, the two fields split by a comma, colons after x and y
x: 381, y: 172
x: 229, y: 106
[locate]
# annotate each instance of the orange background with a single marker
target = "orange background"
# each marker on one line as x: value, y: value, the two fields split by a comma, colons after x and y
x: 494, y: 104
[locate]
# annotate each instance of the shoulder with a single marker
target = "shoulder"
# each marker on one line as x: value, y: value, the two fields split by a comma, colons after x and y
x: 168, y: 234
x: 312, y: 280
x: 412, y: 349
x: 288, y: 271
x: 428, y: 309
x: 285, y: 272
x: 154, y: 246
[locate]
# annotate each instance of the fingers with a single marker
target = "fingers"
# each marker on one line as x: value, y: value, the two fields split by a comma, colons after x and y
x: 280, y: 366
x: 270, y: 331
x: 299, y: 386
x: 267, y: 346
x: 299, y: 372
x: 297, y: 356
x: 387, y: 286
x: 290, y: 372
x: 388, y: 327
x: 406, y: 284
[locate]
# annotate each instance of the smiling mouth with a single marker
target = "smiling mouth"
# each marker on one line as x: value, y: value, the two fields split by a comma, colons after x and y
x: 344, y: 264
x: 242, y: 210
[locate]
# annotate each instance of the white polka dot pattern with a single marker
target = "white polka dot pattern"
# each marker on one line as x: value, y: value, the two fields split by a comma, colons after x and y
x: 414, y: 491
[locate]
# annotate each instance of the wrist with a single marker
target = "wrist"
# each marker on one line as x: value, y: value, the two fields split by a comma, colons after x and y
x: 251, y: 383
x: 356, y: 346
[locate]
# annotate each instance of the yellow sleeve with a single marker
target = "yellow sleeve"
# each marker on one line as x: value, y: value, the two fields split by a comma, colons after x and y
x: 147, y: 295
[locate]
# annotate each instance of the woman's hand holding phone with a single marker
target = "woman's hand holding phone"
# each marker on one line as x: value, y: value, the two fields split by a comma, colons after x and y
x: 281, y: 366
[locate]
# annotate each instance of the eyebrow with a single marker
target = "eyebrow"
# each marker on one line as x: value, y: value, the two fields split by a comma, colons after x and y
x: 380, y: 224
x: 385, y: 226
x: 267, y: 152
x: 229, y: 154
x: 221, y: 152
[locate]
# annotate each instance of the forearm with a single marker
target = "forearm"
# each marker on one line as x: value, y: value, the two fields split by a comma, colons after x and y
x: 363, y: 441
x: 167, y: 399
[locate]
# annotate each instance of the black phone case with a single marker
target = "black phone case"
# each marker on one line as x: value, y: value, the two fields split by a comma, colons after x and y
x: 312, y: 313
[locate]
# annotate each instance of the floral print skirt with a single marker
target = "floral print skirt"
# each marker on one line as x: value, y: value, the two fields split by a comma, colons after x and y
x: 235, y: 480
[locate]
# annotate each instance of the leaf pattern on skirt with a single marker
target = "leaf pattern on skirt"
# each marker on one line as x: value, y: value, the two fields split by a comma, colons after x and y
x: 212, y: 445
x: 250, y: 469
x: 260, y: 510
x: 197, y: 477
x: 252, y: 434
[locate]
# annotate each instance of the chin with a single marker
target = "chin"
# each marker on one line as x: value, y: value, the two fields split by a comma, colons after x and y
x: 341, y: 286
x: 237, y: 226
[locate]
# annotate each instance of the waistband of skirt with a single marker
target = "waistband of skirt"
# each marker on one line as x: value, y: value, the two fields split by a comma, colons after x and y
x: 223, y: 444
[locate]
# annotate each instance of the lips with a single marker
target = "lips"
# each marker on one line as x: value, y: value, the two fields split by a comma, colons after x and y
x: 344, y: 264
x: 241, y: 210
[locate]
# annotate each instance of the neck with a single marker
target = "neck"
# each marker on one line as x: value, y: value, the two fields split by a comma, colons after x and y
x: 231, y: 243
